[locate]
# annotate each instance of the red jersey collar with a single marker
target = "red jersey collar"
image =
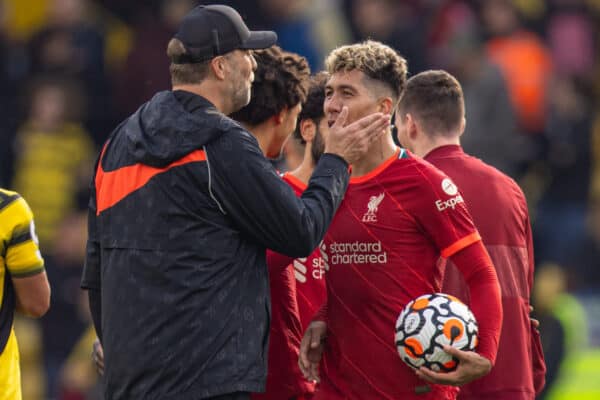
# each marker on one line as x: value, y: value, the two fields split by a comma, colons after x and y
x: 295, y: 181
x: 448, y: 150
x: 363, y: 178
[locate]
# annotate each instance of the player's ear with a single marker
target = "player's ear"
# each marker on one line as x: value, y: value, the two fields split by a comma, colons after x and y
x: 217, y: 65
x: 463, y: 125
x: 308, y: 129
x: 412, y: 127
x: 386, y: 105
x: 279, y: 117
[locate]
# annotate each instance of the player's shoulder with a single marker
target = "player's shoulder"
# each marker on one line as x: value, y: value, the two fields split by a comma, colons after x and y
x: 14, y: 212
x: 494, y: 176
x: 234, y: 139
x: 414, y: 175
x: 8, y: 197
x: 423, y: 170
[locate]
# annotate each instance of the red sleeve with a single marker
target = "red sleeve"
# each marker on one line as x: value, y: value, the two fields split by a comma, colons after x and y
x: 277, y: 260
x: 442, y: 213
x: 539, y: 363
x: 475, y: 264
x: 321, y: 315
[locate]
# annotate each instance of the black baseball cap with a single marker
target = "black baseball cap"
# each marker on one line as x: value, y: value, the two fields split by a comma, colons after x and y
x: 213, y: 30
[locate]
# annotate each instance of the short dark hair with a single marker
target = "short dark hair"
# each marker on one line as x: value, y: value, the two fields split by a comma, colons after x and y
x: 436, y: 99
x: 312, y: 108
x: 189, y: 73
x: 280, y: 80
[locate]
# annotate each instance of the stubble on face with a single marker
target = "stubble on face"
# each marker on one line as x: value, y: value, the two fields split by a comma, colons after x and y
x: 318, y: 144
x: 241, y: 78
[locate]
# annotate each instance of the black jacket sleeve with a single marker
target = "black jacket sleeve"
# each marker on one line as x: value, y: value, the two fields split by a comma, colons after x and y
x: 262, y: 205
x: 91, y: 269
x: 90, y: 279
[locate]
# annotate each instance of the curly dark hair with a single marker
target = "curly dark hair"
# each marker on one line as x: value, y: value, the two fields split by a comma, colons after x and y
x: 312, y: 108
x: 374, y: 59
x: 280, y: 80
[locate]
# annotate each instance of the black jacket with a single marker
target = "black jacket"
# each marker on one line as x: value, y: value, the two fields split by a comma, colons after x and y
x: 183, y: 207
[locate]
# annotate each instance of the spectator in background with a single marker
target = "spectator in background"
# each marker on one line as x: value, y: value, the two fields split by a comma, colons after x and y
x: 567, y: 160
x: 570, y: 34
x: 78, y: 377
x: 54, y: 162
x: 13, y: 62
x: 550, y: 287
x: 492, y: 133
x: 567, y: 168
x: 572, y: 346
x: 583, y: 269
x: 138, y: 79
x: 24, y: 286
x: 278, y: 91
x: 294, y: 29
x: 395, y: 23
x: 53, y: 155
x: 307, y: 27
x: 71, y: 46
x: 523, y: 59
x: 8, y: 112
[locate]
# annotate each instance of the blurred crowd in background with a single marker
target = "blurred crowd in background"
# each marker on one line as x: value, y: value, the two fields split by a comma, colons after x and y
x: 71, y: 70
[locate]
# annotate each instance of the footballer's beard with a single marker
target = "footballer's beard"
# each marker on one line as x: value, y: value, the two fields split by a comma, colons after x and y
x: 318, y: 146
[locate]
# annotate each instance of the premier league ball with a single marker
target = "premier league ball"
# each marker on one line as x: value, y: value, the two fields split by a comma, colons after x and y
x: 429, y: 322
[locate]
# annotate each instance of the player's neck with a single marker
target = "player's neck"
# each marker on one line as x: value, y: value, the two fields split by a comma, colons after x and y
x: 427, y: 146
x: 209, y: 91
x: 306, y: 167
x: 378, y: 153
x: 265, y: 135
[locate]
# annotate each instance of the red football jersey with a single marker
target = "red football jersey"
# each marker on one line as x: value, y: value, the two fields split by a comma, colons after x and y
x: 295, y: 297
x: 520, y: 369
x: 383, y: 250
x: 309, y: 272
x: 284, y: 379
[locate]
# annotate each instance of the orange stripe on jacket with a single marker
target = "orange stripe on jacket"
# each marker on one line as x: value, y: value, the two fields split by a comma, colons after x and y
x: 460, y: 244
x: 114, y: 186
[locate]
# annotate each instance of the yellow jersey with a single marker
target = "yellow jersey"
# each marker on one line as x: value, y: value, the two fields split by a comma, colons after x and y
x: 19, y: 257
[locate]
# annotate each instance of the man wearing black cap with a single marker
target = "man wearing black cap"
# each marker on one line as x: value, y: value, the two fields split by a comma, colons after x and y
x: 183, y: 205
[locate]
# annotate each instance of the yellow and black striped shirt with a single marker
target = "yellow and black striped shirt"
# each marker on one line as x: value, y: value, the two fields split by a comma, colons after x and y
x: 19, y: 257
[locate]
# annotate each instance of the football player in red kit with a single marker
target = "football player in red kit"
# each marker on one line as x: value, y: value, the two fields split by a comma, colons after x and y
x: 383, y: 249
x: 309, y: 272
x: 309, y: 133
x: 430, y: 121
x: 280, y: 87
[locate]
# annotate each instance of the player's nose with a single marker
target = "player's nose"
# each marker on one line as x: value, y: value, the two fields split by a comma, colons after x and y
x: 332, y: 105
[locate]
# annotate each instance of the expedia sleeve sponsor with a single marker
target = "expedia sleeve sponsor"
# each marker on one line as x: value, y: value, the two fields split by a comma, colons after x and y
x: 450, y: 203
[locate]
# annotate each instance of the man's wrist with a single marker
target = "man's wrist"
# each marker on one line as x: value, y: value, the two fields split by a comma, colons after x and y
x: 337, y: 156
